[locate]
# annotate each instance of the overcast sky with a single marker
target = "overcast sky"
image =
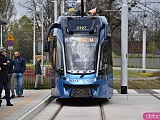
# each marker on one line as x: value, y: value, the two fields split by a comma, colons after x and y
x: 20, y: 10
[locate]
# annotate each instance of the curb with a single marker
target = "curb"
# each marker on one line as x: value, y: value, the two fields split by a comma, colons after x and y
x: 35, y: 110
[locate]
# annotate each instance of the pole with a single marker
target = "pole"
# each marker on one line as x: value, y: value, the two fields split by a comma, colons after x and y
x: 48, y: 62
x: 84, y: 5
x: 55, y: 15
x: 55, y: 10
x: 158, y: 63
x: 10, y: 55
x: 34, y: 41
x: 144, y: 51
x: 82, y: 8
x: 62, y: 7
x: 1, y: 36
x: 124, y: 47
x: 144, y: 43
x: 42, y: 45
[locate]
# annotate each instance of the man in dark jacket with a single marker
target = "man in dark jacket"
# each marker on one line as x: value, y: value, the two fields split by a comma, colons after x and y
x: 4, y: 82
x: 10, y: 72
x: 18, y: 70
x: 37, y: 72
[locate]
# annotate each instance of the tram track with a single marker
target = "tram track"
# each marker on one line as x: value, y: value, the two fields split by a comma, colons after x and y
x: 56, y: 112
x: 145, y: 90
x: 103, y: 116
x: 80, y: 111
x: 154, y: 82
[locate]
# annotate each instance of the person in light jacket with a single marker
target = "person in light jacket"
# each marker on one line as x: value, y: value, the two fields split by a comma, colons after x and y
x: 37, y: 72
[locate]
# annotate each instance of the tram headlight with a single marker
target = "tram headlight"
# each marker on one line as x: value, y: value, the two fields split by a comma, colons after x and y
x: 106, y: 78
x: 94, y: 79
x: 67, y: 79
x: 86, y: 81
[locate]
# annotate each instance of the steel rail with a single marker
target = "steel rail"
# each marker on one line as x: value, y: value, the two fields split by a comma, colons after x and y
x: 144, y: 90
x: 57, y: 111
x: 102, y: 112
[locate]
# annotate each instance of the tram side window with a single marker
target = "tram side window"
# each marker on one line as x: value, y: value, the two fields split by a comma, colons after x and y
x: 59, y: 56
x: 109, y: 55
x: 103, y: 56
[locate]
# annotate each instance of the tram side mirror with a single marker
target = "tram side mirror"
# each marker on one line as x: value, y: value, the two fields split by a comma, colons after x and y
x: 46, y: 41
x: 46, y: 46
x: 94, y: 30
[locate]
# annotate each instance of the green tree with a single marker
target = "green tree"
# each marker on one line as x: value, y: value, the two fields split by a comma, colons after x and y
x: 7, y: 11
x: 155, y: 37
x: 22, y: 32
x: 152, y: 48
x: 35, y: 7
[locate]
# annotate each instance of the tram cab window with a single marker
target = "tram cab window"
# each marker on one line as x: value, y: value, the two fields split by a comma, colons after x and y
x: 103, y: 56
x: 59, y: 57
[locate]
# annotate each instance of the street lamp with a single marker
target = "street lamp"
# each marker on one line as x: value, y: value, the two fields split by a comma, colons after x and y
x: 144, y: 42
x: 55, y: 10
x: 61, y: 3
x: 2, y: 21
x: 34, y: 41
x: 124, y: 47
x: 42, y: 44
x: 62, y: 7
x: 1, y: 36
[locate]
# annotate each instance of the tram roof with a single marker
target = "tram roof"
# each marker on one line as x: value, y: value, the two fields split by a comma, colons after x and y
x: 104, y: 19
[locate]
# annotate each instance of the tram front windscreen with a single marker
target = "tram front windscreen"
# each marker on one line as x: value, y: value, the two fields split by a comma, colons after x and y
x: 81, y: 53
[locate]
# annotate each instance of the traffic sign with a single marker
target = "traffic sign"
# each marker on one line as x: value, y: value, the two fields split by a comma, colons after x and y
x: 10, y: 37
x: 10, y: 43
x: 158, y: 52
x: 10, y: 47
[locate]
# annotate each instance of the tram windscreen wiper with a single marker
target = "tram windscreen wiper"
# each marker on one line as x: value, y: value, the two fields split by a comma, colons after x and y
x: 87, y: 69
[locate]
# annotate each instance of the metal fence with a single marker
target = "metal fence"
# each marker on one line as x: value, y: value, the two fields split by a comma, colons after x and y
x: 30, y: 77
x: 29, y: 80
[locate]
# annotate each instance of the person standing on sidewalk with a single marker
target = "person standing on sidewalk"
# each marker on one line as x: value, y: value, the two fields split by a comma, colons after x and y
x: 19, y: 66
x: 10, y: 68
x: 37, y: 72
x: 4, y: 81
x: 10, y: 73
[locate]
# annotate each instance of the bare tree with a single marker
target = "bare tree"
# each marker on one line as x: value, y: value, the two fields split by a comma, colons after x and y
x: 35, y: 7
x: 7, y: 9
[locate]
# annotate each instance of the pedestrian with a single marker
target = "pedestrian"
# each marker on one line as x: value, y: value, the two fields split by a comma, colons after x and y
x: 38, y: 72
x: 10, y: 68
x: 4, y: 81
x: 19, y: 66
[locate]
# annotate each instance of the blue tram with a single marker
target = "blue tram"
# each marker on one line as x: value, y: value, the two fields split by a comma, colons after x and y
x: 81, y: 57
